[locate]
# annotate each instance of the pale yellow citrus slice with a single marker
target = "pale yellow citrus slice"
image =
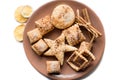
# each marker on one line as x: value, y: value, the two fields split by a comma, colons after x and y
x: 18, y: 32
x: 18, y: 15
x: 26, y: 11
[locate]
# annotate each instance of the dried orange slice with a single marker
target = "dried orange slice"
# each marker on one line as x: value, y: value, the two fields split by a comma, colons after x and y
x: 26, y: 11
x: 18, y: 32
x: 18, y: 15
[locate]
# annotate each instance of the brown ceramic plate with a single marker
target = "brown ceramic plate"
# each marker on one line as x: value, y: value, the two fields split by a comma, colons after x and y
x: 39, y: 62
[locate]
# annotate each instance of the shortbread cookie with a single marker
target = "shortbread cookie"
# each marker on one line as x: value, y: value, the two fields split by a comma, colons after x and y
x: 34, y: 35
x: 58, y: 48
x: 62, y: 16
x: 39, y: 47
x: 53, y: 66
x: 74, y: 35
x: 44, y: 24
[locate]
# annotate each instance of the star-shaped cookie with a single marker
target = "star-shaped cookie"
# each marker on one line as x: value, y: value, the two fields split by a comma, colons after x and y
x: 58, y: 48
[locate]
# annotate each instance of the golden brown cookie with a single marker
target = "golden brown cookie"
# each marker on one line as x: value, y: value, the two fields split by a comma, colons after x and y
x: 53, y: 66
x: 39, y: 47
x: 74, y: 35
x: 58, y: 48
x: 44, y: 25
x: 77, y: 61
x: 34, y: 35
x: 62, y: 16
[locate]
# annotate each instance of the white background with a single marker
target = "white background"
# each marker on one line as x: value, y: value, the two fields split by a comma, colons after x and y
x: 14, y: 64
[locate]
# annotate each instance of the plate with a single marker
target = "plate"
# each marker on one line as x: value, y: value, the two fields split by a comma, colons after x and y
x: 39, y: 62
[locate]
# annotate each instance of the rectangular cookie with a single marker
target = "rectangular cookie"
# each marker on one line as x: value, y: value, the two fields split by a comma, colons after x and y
x: 44, y: 24
x: 34, y: 35
x: 74, y: 35
x: 39, y: 47
x: 53, y: 66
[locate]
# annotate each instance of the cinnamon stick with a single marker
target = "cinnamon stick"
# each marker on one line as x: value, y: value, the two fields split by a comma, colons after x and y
x: 86, y: 15
x: 88, y: 26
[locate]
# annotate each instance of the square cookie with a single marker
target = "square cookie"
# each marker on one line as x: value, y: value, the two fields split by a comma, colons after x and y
x: 39, y: 47
x: 44, y: 24
x: 53, y: 66
x: 74, y: 35
x: 34, y: 35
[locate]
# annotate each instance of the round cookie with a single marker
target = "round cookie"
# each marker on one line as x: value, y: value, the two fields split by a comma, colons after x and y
x: 62, y: 16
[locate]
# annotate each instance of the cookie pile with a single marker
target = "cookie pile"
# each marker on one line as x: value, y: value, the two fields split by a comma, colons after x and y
x: 63, y: 18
